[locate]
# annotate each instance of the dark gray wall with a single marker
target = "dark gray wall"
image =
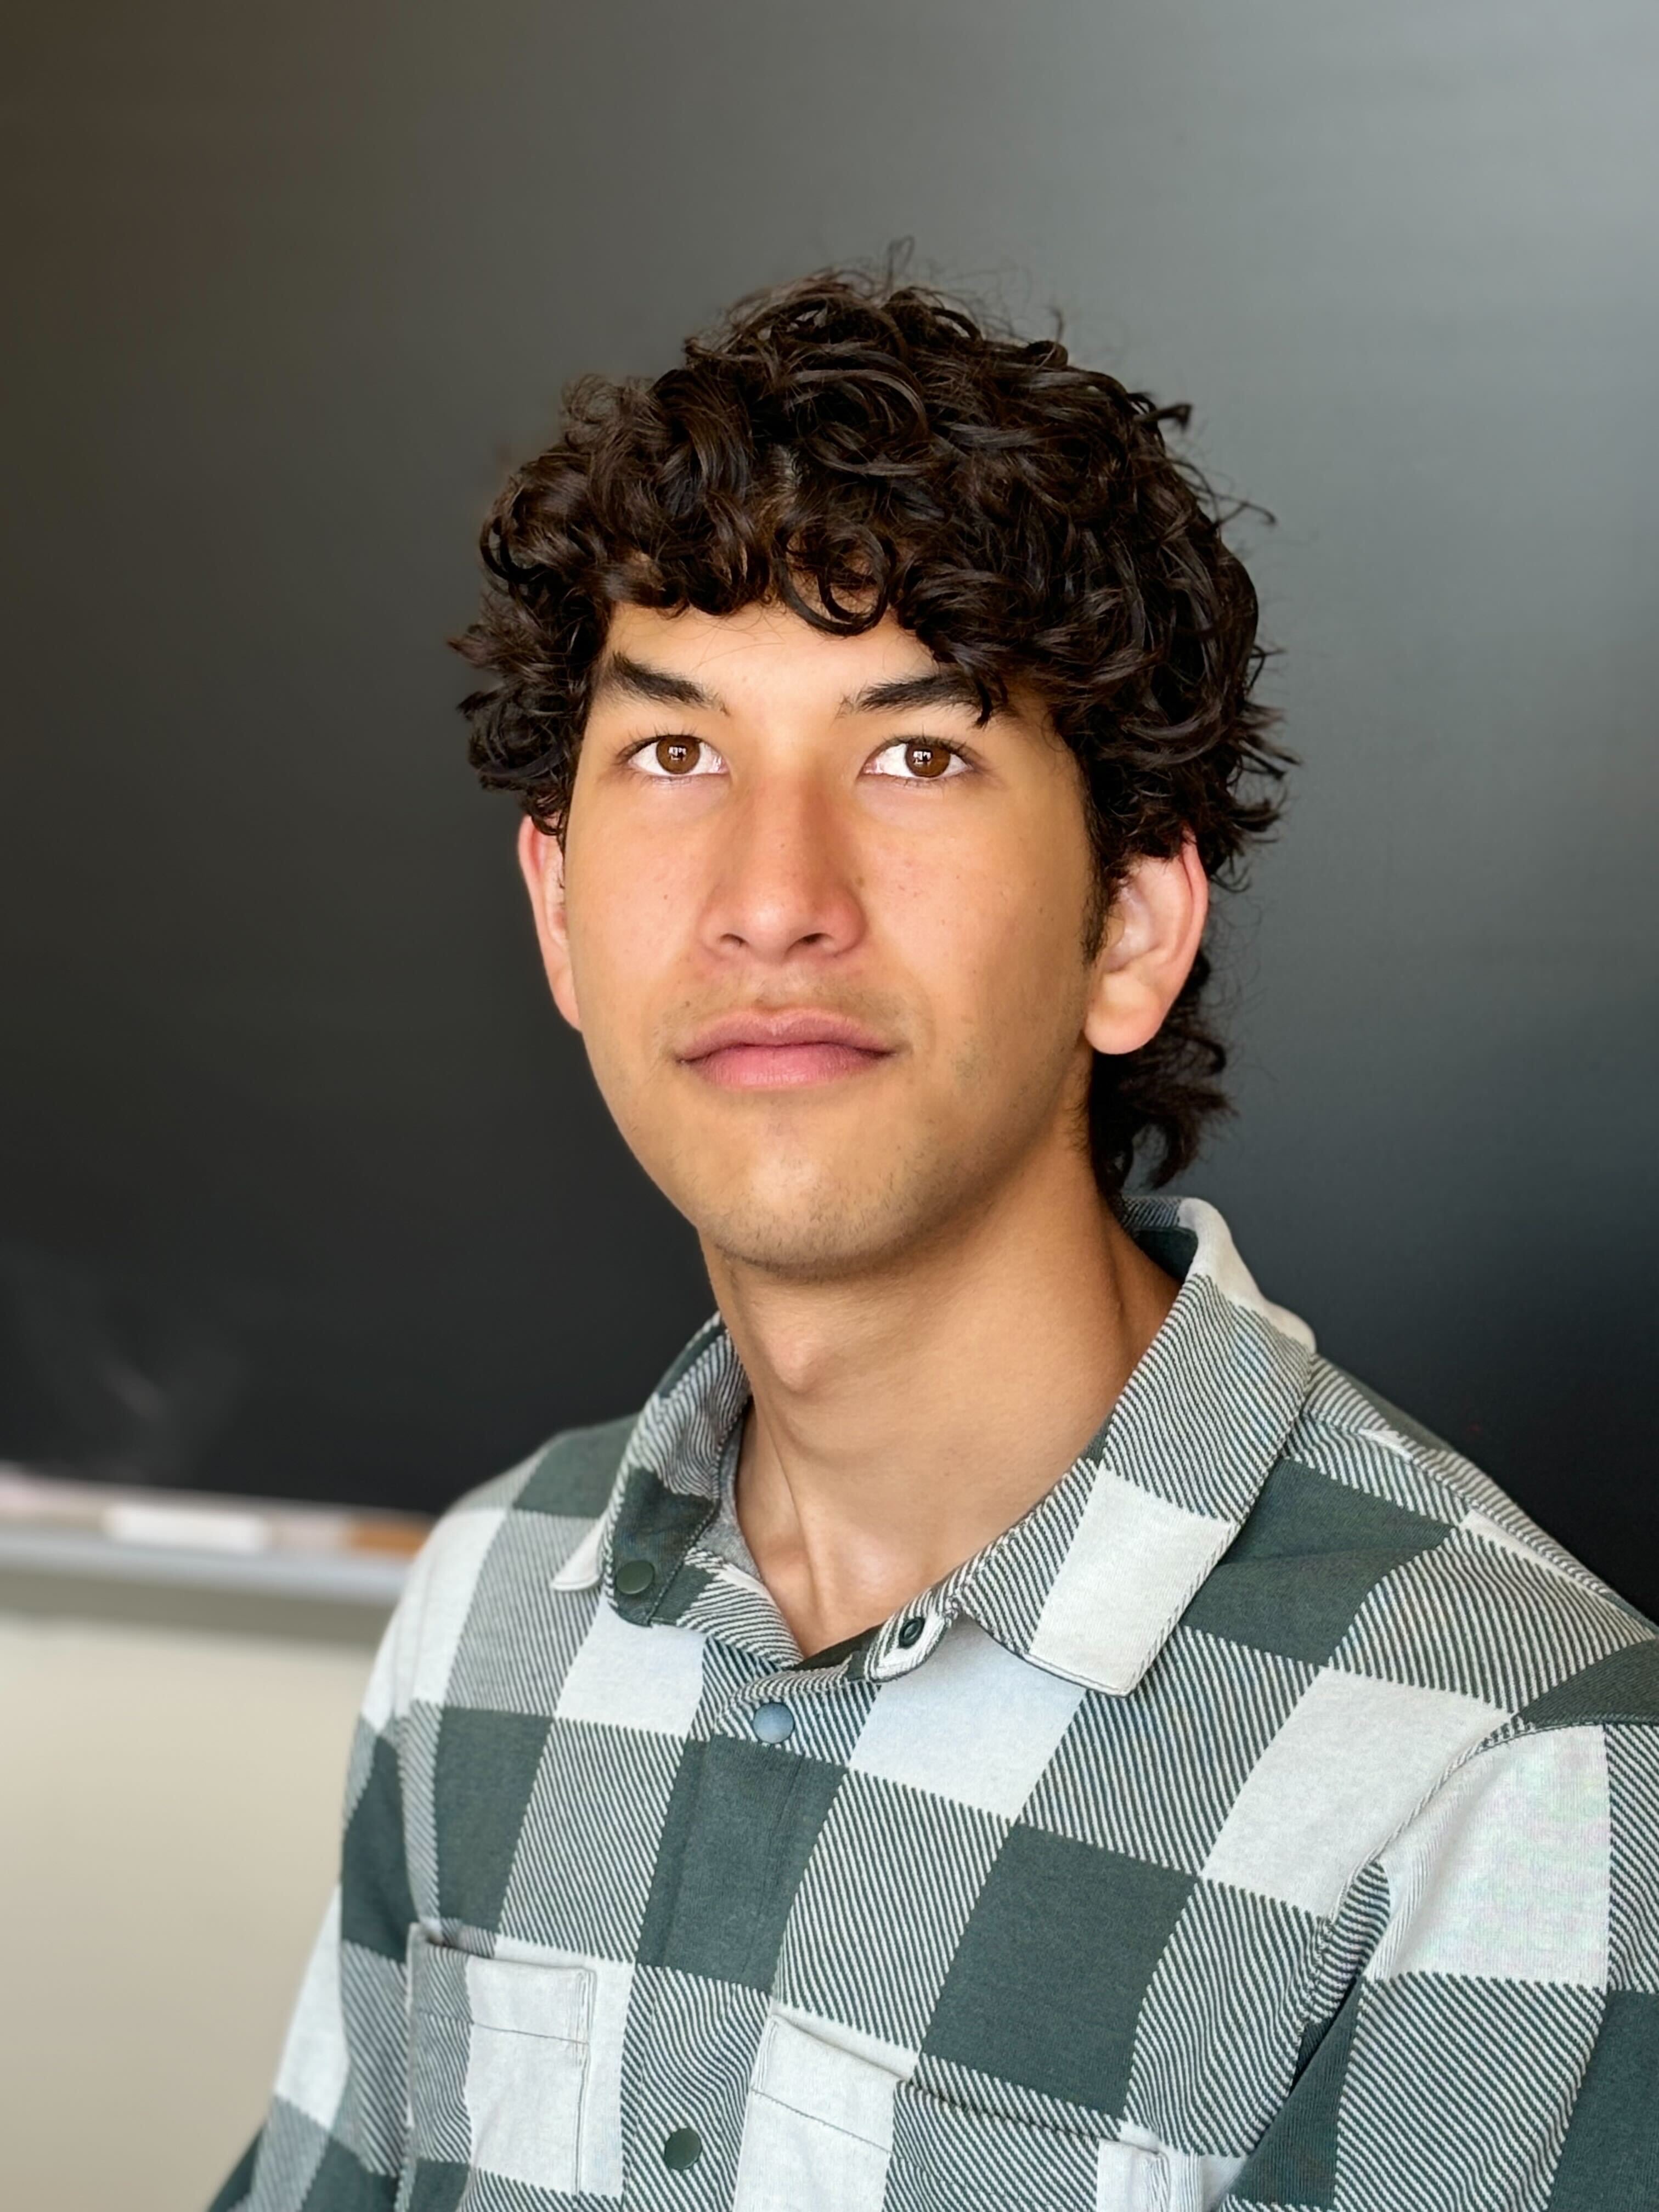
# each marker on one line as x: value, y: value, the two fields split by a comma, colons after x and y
x: 307, y: 1190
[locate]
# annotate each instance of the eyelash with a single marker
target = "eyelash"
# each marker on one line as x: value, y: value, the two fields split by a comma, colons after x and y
x: 894, y: 745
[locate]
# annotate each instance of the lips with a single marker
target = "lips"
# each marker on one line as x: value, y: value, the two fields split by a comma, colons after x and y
x: 782, y: 1049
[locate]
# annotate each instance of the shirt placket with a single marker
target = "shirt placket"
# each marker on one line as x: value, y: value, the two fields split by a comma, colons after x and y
x: 754, y: 1789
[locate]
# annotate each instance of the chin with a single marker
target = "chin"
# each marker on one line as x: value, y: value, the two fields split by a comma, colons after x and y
x: 820, y: 1227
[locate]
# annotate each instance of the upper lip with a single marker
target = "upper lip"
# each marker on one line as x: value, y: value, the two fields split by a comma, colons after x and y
x: 782, y: 1025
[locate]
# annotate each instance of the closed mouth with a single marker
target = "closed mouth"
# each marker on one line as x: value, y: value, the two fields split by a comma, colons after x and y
x: 782, y: 1049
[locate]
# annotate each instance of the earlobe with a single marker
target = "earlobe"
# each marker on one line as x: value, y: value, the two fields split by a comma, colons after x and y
x: 1151, y: 939
x: 541, y: 863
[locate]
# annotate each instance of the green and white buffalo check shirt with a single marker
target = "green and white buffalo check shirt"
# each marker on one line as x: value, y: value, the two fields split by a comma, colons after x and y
x: 1268, y: 1818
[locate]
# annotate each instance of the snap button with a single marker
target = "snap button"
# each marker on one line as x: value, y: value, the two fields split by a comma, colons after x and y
x: 682, y: 2149
x: 773, y: 1723
x: 635, y: 1576
x: 910, y: 1630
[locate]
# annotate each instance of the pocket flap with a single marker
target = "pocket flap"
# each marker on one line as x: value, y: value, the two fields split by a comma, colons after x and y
x: 966, y: 2158
x: 823, y: 2080
x: 517, y: 1996
x: 815, y: 2128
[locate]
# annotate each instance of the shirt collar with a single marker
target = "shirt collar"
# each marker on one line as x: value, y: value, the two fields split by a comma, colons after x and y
x: 1090, y: 1581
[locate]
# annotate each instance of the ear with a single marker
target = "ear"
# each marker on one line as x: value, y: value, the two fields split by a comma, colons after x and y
x: 1152, y: 935
x: 541, y: 861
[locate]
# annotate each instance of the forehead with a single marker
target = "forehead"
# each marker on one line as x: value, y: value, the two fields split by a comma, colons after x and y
x: 766, y: 659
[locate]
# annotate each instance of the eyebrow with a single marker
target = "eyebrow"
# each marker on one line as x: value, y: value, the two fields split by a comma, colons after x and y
x: 640, y: 679
x: 941, y: 687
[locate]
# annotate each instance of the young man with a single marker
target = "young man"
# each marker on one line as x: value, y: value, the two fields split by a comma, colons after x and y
x: 1006, y: 1725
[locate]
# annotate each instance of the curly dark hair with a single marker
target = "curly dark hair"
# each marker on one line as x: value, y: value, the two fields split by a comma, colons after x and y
x: 850, y: 444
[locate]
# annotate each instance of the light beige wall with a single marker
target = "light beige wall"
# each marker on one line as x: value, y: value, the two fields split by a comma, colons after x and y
x: 169, y: 1832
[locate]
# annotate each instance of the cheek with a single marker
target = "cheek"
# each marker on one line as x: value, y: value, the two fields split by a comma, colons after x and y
x: 622, y: 935
x: 996, y: 942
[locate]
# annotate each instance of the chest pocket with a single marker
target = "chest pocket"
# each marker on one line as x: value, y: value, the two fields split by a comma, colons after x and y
x: 817, y: 2127
x: 497, y: 2057
x: 827, y: 2130
x: 947, y: 2158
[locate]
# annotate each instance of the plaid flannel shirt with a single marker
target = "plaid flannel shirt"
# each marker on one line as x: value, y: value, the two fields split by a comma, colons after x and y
x: 1268, y: 1818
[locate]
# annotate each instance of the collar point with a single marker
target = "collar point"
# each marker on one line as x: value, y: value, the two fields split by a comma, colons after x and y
x: 584, y: 1568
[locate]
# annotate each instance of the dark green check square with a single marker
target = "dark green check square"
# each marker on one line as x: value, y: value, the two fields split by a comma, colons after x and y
x: 1172, y: 1248
x: 439, y: 2185
x: 741, y: 1825
x: 574, y: 1473
x: 654, y: 1526
x: 341, y: 2183
x: 1622, y: 1687
x: 485, y: 1771
x: 1304, y: 1562
x: 233, y: 2189
x: 375, y: 1905
x: 1295, y: 2162
x: 1049, y: 1979
x: 1611, y: 2155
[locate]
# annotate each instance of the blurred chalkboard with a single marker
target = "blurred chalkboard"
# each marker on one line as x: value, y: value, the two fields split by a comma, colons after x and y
x: 306, y: 1189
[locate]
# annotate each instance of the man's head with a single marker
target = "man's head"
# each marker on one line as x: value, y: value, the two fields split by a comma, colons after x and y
x: 877, y: 686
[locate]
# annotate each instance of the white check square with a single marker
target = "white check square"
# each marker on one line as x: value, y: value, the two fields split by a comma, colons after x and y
x: 1508, y: 1868
x: 439, y: 1595
x: 1151, y: 1555
x: 1353, y: 1759
x: 975, y: 1724
x: 626, y: 1676
x: 315, y: 2057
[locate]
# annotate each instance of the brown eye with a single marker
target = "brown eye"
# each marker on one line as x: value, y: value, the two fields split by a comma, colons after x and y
x: 923, y: 759
x: 678, y: 755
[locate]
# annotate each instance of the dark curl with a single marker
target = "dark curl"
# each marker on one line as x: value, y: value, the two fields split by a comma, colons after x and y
x: 852, y: 445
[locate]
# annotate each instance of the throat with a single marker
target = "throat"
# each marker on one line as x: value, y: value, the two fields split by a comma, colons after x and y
x: 897, y: 1464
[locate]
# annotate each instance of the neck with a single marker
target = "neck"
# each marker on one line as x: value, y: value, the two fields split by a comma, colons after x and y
x: 903, y: 1418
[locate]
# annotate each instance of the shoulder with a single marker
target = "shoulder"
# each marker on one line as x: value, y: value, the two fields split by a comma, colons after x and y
x: 1455, y: 1589
x: 569, y: 1477
x: 480, y: 1585
x: 1351, y: 1434
x: 1496, y: 1701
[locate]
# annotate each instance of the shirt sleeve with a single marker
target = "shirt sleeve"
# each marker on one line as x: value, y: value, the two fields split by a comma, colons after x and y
x: 1498, y: 2045
x: 332, y: 2139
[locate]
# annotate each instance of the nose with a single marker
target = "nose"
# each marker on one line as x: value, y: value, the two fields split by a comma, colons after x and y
x: 784, y: 886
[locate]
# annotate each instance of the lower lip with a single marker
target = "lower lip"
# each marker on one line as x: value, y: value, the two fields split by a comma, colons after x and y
x: 781, y: 1067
